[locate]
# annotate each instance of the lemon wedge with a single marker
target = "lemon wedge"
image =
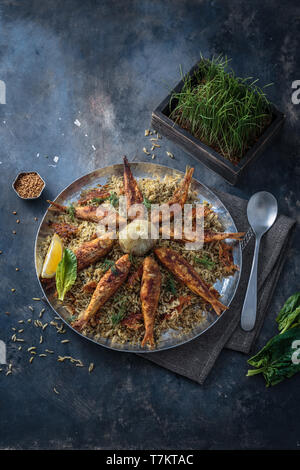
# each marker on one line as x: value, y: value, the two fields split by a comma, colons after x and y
x: 53, y: 257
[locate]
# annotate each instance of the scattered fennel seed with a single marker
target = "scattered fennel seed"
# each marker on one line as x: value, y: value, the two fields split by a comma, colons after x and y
x: 65, y: 341
x: 55, y: 391
x: 153, y: 156
x: 156, y: 145
x: 170, y: 154
x: 49, y: 351
x: 36, y: 298
x: 29, y: 320
x: 21, y: 331
x: 31, y: 359
x: 41, y: 339
x: 146, y: 151
x: 21, y: 321
x: 147, y: 132
x: 30, y: 308
x: 91, y: 367
x: 31, y: 348
x: 42, y: 355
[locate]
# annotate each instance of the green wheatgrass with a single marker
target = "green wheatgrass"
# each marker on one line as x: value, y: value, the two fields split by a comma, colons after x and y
x: 224, y: 111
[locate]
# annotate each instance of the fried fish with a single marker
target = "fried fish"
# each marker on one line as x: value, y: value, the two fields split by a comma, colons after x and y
x: 150, y: 291
x: 106, y: 287
x: 178, y: 265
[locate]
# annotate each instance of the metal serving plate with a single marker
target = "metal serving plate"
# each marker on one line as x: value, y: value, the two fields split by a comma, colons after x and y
x: 227, y: 287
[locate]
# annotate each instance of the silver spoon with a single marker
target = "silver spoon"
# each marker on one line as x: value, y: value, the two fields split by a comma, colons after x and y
x: 261, y: 212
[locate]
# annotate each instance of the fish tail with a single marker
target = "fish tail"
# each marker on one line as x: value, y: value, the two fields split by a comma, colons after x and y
x: 148, y: 338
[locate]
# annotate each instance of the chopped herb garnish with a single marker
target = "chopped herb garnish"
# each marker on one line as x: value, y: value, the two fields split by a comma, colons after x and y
x: 146, y: 203
x: 110, y: 264
x: 207, y: 262
x: 119, y: 315
x: 71, y: 211
x: 170, y: 285
x: 113, y: 199
x: 99, y: 200
x: 132, y: 259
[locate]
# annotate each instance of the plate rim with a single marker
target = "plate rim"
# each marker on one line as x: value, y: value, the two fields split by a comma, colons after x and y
x: 146, y: 351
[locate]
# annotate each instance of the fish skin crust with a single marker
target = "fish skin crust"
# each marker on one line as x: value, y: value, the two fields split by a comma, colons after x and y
x: 150, y: 291
x: 178, y: 199
x: 91, y: 251
x: 181, y: 193
x: 132, y: 192
x: 100, y: 214
x: 106, y: 287
x: 175, y: 263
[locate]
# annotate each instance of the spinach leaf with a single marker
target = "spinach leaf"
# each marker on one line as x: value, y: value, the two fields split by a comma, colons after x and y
x: 290, y: 313
x: 275, y: 360
x: 66, y: 273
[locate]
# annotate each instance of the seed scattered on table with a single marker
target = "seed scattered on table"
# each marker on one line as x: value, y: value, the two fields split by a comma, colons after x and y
x: 91, y: 367
x: 36, y: 298
x: 65, y: 341
x: 17, y: 269
x: 14, y: 232
x: 13, y: 290
x: 146, y: 151
x: 170, y: 154
x: 18, y: 221
x: 15, y: 212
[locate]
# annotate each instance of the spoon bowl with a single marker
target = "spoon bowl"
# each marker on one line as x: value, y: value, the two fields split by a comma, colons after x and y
x: 262, y: 211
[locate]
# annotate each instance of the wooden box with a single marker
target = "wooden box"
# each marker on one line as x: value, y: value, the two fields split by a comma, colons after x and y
x: 162, y: 123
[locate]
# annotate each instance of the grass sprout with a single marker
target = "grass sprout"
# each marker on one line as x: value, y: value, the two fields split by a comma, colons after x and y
x: 224, y: 111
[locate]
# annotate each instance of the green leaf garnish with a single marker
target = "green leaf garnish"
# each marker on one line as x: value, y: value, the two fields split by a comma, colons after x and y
x: 146, y: 203
x: 110, y: 264
x: 207, y: 262
x: 289, y: 315
x: 119, y: 315
x: 113, y: 199
x: 99, y: 200
x: 71, y: 211
x: 275, y: 360
x: 170, y: 285
x: 66, y: 273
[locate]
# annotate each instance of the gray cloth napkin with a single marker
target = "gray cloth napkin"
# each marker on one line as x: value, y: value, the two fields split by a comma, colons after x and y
x: 196, y: 358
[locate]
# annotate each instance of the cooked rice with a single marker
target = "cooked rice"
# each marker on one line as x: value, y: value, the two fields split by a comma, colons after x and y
x: 156, y: 191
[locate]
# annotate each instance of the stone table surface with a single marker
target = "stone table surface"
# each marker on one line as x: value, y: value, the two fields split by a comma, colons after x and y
x: 108, y: 64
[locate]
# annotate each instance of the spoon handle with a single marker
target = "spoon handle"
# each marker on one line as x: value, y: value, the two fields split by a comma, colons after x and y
x: 248, y: 316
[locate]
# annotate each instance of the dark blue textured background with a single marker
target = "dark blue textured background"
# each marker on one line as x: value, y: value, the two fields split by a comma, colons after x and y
x: 108, y: 64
